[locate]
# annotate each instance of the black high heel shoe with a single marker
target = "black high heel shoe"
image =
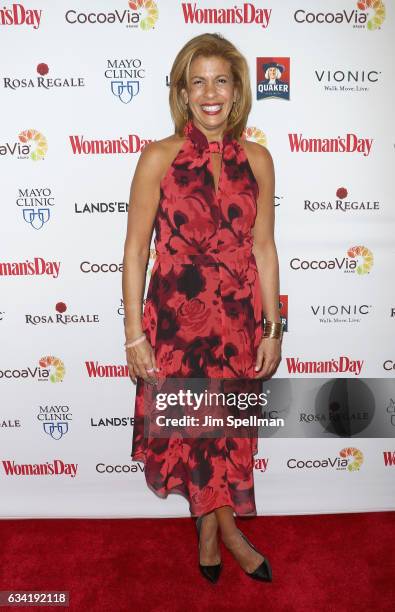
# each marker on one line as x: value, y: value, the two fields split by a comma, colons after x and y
x: 211, y: 572
x: 264, y: 571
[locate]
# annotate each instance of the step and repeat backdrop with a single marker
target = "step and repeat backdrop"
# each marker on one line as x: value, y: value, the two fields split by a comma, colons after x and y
x: 83, y: 88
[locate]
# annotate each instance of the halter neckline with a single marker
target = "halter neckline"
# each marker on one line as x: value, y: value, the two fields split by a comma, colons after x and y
x: 200, y: 139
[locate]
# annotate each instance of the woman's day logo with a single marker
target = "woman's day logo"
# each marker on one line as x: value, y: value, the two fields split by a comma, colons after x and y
x: 37, y: 140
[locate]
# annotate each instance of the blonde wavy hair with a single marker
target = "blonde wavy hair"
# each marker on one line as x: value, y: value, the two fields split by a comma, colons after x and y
x: 208, y: 45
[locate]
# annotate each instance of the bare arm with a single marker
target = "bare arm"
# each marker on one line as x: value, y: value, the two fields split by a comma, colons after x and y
x: 143, y: 204
x: 264, y: 247
x: 269, y: 351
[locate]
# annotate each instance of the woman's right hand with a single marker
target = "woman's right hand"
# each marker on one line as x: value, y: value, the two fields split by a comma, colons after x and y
x: 141, y: 362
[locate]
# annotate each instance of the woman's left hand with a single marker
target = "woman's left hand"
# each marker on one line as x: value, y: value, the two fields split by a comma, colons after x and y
x: 268, y: 357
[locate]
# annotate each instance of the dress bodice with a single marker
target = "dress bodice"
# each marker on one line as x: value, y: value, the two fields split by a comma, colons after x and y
x: 194, y: 221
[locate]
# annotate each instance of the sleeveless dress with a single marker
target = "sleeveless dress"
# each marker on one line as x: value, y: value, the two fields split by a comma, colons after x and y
x: 203, y: 317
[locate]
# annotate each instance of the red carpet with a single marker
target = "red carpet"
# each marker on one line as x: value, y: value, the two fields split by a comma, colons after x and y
x: 330, y: 563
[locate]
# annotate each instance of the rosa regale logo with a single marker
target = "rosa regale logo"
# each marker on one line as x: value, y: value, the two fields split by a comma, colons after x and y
x: 378, y: 15
x: 58, y: 372
x: 367, y: 258
x: 150, y: 10
x: 354, y: 457
x: 32, y: 137
x: 255, y: 134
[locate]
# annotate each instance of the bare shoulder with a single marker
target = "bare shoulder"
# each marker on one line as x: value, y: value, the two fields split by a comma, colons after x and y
x: 157, y: 155
x: 260, y: 158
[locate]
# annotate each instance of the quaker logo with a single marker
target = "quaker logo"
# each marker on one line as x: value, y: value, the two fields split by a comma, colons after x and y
x: 273, y: 78
x: 283, y: 305
x: 341, y: 202
x: 340, y: 313
x: 60, y: 317
x: 36, y: 205
x: 125, y: 76
x: 42, y: 81
x: 347, y: 80
x: 55, y: 420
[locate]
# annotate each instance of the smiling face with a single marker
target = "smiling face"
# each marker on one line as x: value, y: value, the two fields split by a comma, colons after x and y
x: 210, y: 92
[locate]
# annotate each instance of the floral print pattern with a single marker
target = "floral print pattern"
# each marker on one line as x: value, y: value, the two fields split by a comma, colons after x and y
x: 203, y: 317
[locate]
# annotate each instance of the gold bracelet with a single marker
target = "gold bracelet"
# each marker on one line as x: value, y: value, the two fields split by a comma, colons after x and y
x: 273, y: 329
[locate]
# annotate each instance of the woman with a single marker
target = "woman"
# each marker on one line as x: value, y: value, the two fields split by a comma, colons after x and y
x: 209, y: 194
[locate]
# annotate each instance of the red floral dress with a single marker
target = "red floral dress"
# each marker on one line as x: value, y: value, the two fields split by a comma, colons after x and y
x: 203, y: 317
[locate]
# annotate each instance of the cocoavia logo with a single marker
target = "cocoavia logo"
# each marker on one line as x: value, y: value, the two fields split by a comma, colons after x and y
x: 378, y: 16
x: 354, y: 457
x: 150, y: 11
x: 57, y: 364
x: 255, y: 134
x: 367, y: 258
x: 37, y: 143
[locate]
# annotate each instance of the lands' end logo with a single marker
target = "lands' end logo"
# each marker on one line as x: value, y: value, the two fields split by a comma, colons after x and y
x: 17, y: 15
x: 32, y: 144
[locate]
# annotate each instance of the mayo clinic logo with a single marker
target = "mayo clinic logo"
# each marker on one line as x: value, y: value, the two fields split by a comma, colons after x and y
x: 125, y: 76
x: 36, y: 205
x: 273, y: 78
x: 55, y: 420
